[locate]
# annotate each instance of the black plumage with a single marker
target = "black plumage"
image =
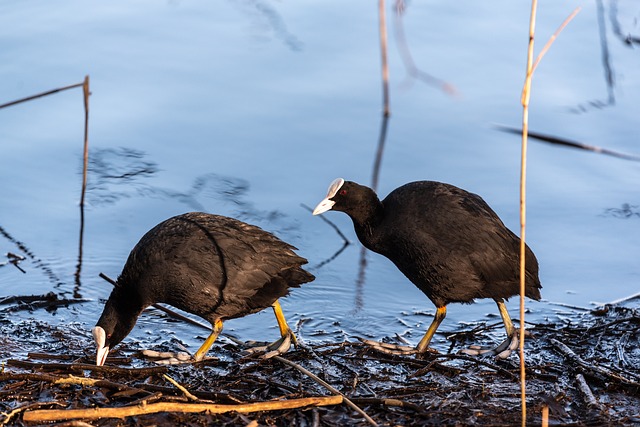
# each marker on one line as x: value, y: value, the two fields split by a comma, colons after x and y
x: 213, y: 266
x: 446, y: 241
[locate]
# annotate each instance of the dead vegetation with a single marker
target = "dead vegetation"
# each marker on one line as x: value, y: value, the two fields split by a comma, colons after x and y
x: 585, y: 367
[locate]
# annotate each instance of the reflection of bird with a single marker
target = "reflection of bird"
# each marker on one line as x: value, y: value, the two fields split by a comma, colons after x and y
x: 212, y: 266
x: 447, y: 241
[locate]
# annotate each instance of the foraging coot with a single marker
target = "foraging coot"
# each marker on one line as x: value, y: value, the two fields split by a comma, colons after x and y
x: 212, y: 266
x: 446, y: 241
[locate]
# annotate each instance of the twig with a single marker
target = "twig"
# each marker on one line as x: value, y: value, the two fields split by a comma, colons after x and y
x: 554, y: 36
x: 85, y: 163
x: 383, y: 55
x: 19, y: 409
x: 328, y: 387
x: 40, y: 95
x: 584, y: 388
x: 180, y: 387
x: 574, y: 144
x: 571, y: 355
x: 129, y: 411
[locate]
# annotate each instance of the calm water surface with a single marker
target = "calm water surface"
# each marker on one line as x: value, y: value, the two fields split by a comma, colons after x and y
x: 251, y: 108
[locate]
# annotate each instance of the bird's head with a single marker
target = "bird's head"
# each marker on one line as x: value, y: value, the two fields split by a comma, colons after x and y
x: 348, y: 197
x: 112, y: 327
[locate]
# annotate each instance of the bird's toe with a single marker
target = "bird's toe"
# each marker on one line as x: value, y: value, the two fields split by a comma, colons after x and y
x: 502, y: 351
x: 168, y: 357
x: 391, y: 348
x: 276, y: 348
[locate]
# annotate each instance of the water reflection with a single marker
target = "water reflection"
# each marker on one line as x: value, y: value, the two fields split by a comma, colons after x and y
x: 115, y: 174
x: 606, y: 65
x: 37, y: 262
x: 625, y: 211
x: 626, y: 39
x: 14, y: 260
x: 111, y: 168
x: 265, y: 18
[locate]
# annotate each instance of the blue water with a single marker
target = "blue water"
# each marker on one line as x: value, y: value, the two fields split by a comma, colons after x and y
x: 251, y: 108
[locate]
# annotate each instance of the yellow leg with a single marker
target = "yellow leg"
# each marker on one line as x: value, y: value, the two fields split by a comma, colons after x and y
x: 282, y: 322
x: 423, y: 345
x: 204, y: 348
x: 508, y: 324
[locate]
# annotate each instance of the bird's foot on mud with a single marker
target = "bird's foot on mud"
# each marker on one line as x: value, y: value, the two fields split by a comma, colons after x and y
x: 396, y: 349
x: 276, y: 348
x: 168, y: 357
x: 502, y: 351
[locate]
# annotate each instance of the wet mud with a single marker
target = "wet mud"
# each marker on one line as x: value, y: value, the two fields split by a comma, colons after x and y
x: 583, y: 368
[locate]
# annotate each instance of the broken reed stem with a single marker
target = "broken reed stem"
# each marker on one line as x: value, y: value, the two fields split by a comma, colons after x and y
x: 85, y: 156
x: 40, y: 95
x: 129, y: 411
x: 85, y: 161
x: 554, y: 36
x: 526, y: 95
x: 383, y: 53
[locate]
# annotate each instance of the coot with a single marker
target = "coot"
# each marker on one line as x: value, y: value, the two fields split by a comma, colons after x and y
x: 215, y: 267
x: 446, y: 241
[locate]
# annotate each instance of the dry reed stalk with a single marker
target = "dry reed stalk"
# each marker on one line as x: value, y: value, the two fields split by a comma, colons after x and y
x: 383, y: 53
x: 40, y: 95
x: 47, y: 415
x: 526, y: 96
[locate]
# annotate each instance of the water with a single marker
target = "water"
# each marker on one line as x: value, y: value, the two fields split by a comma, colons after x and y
x: 251, y: 108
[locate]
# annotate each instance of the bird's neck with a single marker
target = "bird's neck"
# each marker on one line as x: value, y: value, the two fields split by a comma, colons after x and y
x: 366, y: 221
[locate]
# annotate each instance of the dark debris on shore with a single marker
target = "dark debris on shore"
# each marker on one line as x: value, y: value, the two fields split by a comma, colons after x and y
x: 585, y: 368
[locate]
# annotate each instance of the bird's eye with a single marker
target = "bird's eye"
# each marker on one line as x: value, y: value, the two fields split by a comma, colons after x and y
x: 343, y: 192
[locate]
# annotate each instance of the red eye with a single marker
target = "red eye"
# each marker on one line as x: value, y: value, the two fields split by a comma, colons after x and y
x: 343, y: 192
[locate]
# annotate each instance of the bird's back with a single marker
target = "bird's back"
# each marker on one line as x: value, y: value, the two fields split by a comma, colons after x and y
x: 451, y: 244
x: 212, y: 266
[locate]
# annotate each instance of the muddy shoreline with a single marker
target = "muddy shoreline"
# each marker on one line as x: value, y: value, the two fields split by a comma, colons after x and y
x: 584, y: 367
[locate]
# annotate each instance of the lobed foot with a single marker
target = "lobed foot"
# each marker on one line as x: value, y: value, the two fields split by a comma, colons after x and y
x: 168, y: 357
x: 393, y: 348
x: 276, y: 348
x: 502, y: 351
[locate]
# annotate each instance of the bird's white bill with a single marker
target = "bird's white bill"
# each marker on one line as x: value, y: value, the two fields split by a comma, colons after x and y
x: 327, y: 204
x: 323, y: 206
x: 100, y: 337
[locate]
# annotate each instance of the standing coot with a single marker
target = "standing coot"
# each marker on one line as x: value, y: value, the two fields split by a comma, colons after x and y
x: 447, y: 241
x: 212, y: 266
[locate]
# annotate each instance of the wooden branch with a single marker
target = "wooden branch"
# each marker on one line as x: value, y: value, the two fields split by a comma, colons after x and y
x: 45, y: 415
x: 587, y: 394
x: 594, y: 369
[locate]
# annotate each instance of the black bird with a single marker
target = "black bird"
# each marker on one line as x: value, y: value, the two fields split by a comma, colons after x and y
x: 446, y: 241
x: 215, y: 267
